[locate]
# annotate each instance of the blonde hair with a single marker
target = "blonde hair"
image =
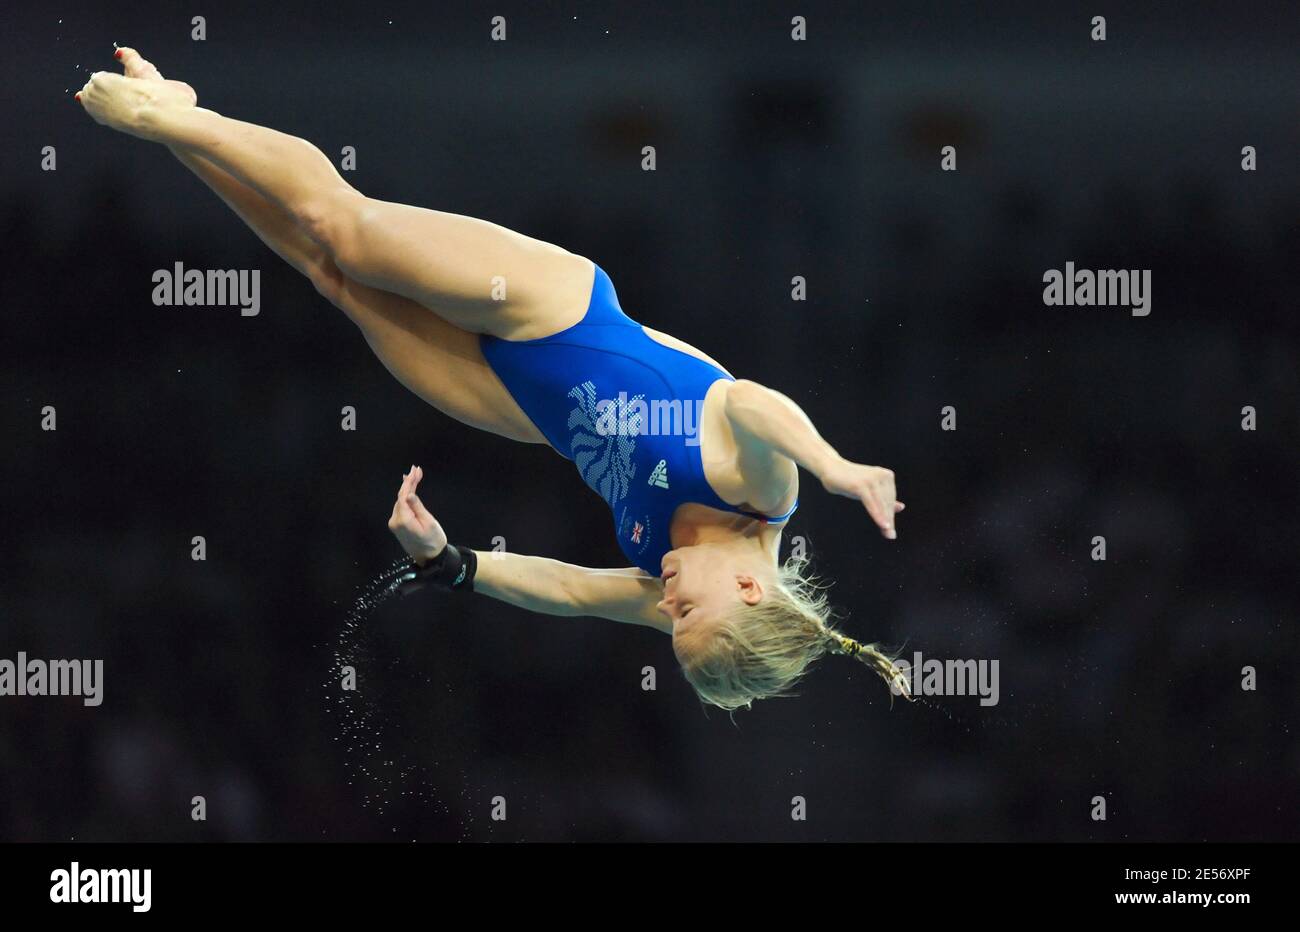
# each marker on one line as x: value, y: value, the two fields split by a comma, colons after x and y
x: 761, y: 651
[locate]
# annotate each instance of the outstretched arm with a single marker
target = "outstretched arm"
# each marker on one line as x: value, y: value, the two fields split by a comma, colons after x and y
x: 769, y: 426
x: 550, y: 587
x: 538, y: 584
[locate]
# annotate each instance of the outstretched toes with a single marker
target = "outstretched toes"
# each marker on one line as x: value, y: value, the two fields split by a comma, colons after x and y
x: 119, y: 101
x: 134, y: 65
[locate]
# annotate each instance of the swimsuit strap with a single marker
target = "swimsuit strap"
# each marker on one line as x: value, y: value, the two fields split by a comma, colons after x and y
x: 776, y: 519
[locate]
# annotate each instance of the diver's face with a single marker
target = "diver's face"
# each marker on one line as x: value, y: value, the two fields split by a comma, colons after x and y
x: 702, y: 583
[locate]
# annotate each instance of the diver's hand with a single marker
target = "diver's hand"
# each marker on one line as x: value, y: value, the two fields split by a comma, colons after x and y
x: 873, y: 486
x: 419, y: 532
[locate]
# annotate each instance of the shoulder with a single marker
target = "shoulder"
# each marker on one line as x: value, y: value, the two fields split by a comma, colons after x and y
x: 745, y: 402
x: 770, y: 477
x: 746, y: 391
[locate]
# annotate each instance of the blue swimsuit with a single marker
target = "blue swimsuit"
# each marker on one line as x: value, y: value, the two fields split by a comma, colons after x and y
x: 626, y: 409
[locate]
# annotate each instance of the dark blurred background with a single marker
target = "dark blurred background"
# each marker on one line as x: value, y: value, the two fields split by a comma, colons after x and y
x: 775, y: 159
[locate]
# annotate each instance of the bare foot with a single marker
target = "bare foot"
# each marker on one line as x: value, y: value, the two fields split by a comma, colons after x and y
x: 120, y: 101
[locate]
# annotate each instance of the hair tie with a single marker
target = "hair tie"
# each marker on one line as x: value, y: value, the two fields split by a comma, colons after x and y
x: 847, y: 645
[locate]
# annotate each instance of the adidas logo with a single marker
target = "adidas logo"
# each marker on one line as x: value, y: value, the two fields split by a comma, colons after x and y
x: 660, y: 475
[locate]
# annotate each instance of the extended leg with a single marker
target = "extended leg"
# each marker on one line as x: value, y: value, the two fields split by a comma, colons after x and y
x: 479, y: 276
x: 436, y: 360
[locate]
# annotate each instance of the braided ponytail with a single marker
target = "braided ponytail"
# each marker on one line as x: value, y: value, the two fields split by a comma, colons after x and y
x: 873, y: 657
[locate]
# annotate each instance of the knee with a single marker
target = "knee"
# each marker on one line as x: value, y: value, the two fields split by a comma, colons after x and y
x: 328, y: 279
x: 331, y: 220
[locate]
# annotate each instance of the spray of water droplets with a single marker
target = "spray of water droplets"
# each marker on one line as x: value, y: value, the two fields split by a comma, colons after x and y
x: 374, y: 757
x: 959, y: 720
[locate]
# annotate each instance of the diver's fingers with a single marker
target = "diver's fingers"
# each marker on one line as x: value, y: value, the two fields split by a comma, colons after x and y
x: 876, y: 508
x: 417, y: 508
x: 400, y: 504
x: 899, y: 506
x: 403, y: 514
x: 410, y: 481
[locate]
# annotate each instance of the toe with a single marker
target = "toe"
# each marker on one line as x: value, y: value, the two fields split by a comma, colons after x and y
x: 134, y: 64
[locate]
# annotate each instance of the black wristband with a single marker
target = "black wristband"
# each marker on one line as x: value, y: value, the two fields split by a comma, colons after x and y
x: 454, y: 568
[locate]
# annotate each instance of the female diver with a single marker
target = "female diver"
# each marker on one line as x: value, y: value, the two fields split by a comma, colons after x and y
x: 527, y: 340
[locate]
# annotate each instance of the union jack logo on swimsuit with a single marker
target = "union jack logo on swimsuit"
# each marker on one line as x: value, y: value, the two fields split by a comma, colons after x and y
x: 637, y: 528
